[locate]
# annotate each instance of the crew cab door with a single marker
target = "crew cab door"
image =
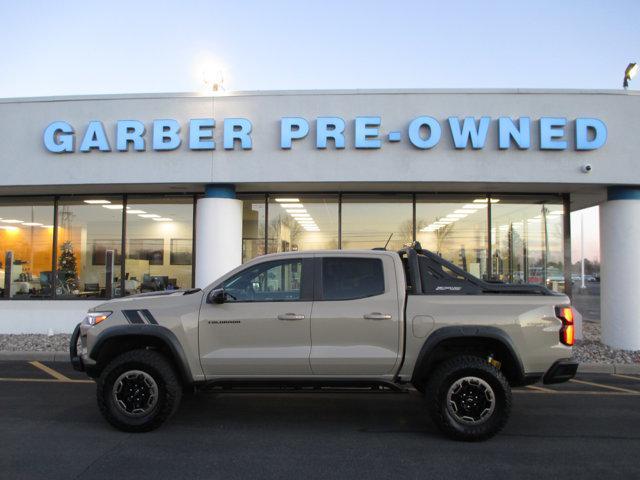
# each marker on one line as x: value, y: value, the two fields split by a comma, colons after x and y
x: 263, y: 326
x: 356, y: 316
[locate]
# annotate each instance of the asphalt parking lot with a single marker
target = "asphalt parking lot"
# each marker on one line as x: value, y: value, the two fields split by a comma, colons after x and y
x: 50, y: 428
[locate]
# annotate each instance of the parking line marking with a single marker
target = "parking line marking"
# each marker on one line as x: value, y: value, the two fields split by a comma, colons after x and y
x: 540, y: 389
x: 626, y: 376
x: 610, y: 387
x: 578, y: 392
x: 43, y: 380
x: 50, y: 371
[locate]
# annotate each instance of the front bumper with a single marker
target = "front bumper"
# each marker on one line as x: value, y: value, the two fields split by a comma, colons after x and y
x: 561, y: 371
x: 76, y: 360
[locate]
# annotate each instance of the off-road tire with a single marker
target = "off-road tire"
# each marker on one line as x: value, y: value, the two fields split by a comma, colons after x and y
x: 168, y: 385
x: 454, y: 369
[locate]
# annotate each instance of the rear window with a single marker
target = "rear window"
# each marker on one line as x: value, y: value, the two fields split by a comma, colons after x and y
x: 349, y: 278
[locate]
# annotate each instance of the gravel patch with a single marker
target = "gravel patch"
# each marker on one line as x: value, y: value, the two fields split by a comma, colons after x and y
x: 589, y: 350
x: 35, y: 343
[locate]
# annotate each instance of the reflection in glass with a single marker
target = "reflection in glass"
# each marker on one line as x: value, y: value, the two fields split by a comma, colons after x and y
x: 253, y: 209
x: 86, y: 230
x: 159, y: 244
x: 456, y: 229
x: 369, y: 221
x: 527, y: 242
x: 26, y: 229
x: 299, y: 223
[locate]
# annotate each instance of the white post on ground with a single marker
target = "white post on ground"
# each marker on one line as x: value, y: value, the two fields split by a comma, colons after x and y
x: 218, y: 233
x: 620, y: 268
x: 582, y: 286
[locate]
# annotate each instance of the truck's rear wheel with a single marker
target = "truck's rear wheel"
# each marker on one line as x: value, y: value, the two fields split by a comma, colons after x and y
x: 469, y: 399
x: 138, y: 391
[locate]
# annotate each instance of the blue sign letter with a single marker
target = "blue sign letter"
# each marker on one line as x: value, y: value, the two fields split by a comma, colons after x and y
x: 508, y: 130
x: 288, y: 133
x: 329, y: 127
x: 129, y: 131
x: 165, y: 134
x: 367, y: 132
x: 237, y: 129
x: 435, y: 132
x: 550, y: 130
x: 199, y: 138
x: 478, y: 134
x: 58, y: 137
x: 95, y: 137
x: 583, y: 125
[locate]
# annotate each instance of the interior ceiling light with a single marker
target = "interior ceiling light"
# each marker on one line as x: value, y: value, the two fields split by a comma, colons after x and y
x: 163, y: 219
x: 113, y: 207
x: 32, y: 224
x: 285, y: 200
x: 301, y: 210
x: 556, y: 212
x: 8, y: 227
x: 300, y: 215
x: 292, y: 205
x: 456, y: 215
x: 136, y: 211
x: 485, y: 200
x: 466, y: 210
x: 149, y: 215
x: 97, y: 202
x: 475, y: 206
x: 47, y: 226
x: 12, y: 220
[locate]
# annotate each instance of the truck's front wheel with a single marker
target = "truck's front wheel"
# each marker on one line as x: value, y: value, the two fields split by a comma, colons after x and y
x: 469, y: 399
x: 138, y: 391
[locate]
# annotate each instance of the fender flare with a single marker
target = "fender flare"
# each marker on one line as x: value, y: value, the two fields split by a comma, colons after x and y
x: 465, y: 331
x: 166, y: 336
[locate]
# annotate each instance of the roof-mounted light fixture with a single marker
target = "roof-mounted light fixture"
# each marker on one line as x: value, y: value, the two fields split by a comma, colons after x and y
x: 629, y: 73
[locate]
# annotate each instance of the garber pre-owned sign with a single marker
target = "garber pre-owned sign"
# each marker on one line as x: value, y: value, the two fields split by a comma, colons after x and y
x: 423, y: 132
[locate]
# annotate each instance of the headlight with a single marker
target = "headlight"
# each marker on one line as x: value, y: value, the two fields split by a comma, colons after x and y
x: 94, y: 318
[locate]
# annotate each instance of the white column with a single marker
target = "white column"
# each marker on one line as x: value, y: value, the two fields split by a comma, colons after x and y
x: 620, y: 268
x: 218, y: 236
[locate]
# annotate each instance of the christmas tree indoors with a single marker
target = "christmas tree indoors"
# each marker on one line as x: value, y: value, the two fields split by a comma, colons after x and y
x: 67, y: 266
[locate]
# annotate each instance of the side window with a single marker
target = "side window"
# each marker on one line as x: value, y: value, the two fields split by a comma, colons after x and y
x: 267, y: 282
x: 348, y: 278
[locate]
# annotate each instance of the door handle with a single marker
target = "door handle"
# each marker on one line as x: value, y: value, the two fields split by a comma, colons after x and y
x: 377, y: 316
x: 290, y: 316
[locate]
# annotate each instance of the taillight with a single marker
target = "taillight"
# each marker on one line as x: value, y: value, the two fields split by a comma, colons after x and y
x: 567, y: 332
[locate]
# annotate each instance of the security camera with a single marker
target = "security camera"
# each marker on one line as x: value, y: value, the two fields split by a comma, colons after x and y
x: 586, y: 168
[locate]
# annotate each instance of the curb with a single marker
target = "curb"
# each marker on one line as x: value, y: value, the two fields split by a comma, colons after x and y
x: 64, y: 357
x: 29, y: 356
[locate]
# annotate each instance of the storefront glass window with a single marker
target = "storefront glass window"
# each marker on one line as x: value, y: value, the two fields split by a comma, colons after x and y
x: 299, y: 223
x: 456, y: 229
x: 87, y: 229
x: 26, y: 230
x: 527, y: 241
x: 159, y: 244
x: 369, y: 221
x: 253, y: 214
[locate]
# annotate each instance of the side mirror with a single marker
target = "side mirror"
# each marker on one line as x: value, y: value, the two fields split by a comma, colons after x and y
x: 217, y: 295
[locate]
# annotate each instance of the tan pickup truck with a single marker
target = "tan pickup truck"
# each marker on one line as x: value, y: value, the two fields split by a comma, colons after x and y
x: 390, y: 320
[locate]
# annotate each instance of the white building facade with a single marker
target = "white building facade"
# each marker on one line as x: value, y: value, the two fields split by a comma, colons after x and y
x: 116, y: 195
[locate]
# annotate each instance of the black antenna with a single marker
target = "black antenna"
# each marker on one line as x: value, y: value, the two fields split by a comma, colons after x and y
x: 388, y: 240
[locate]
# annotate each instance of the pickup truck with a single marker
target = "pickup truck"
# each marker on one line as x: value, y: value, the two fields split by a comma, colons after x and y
x: 387, y: 320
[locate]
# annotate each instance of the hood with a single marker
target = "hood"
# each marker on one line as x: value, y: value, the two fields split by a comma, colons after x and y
x: 109, y: 304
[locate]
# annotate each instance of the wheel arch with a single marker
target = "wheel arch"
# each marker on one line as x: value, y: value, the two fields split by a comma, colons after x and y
x: 449, y: 341
x: 122, y: 338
